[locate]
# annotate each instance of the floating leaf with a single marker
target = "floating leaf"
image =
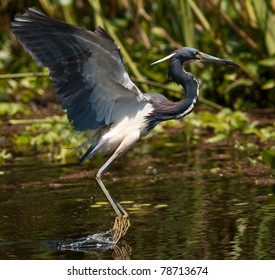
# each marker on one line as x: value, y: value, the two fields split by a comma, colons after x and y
x: 96, y: 206
x: 102, y: 203
x: 127, y: 202
x: 145, y: 205
x: 158, y: 206
x: 133, y: 208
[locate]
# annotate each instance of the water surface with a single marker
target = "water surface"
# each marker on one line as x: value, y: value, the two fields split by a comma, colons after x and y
x: 184, y: 204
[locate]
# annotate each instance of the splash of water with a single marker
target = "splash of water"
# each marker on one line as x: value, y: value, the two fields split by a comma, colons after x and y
x: 102, y: 241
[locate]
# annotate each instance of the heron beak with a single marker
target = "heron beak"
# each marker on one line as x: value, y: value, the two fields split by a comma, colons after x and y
x: 163, y: 59
x: 209, y: 58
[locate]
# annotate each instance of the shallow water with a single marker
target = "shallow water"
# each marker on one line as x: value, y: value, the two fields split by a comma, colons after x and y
x: 183, y: 204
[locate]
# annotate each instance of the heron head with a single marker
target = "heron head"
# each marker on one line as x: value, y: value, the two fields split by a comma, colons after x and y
x: 187, y: 55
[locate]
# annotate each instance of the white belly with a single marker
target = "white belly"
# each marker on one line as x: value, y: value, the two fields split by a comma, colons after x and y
x: 132, y: 123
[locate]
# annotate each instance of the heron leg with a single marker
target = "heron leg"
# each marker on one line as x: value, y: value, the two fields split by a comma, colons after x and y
x: 122, y: 223
x: 116, y: 206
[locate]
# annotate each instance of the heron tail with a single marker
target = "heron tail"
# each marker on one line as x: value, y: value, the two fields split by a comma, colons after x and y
x: 88, y: 153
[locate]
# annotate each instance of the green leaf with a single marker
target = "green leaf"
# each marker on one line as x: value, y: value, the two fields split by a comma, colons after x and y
x: 268, y: 62
x: 268, y: 84
x: 269, y: 157
x: 12, y: 109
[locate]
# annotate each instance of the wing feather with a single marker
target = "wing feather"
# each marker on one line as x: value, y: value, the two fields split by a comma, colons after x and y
x: 86, y: 67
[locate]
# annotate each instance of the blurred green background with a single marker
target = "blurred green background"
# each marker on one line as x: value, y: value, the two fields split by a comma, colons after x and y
x: 240, y: 30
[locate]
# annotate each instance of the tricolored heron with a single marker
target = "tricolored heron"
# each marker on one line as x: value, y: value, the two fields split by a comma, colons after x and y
x: 92, y: 84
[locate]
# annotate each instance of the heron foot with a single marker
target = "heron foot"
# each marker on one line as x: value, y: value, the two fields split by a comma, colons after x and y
x: 121, y: 226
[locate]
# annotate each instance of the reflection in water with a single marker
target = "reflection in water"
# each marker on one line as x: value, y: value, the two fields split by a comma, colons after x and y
x: 216, y: 208
x: 265, y: 242
x: 241, y: 227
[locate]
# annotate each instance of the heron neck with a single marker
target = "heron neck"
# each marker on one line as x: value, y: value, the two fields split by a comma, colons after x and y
x: 166, y: 110
x: 190, y: 85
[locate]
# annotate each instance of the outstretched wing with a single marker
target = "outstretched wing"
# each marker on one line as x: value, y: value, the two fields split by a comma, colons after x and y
x: 86, y: 67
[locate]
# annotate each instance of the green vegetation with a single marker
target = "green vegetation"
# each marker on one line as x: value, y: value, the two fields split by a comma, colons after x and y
x: 53, y: 136
x: 146, y: 31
